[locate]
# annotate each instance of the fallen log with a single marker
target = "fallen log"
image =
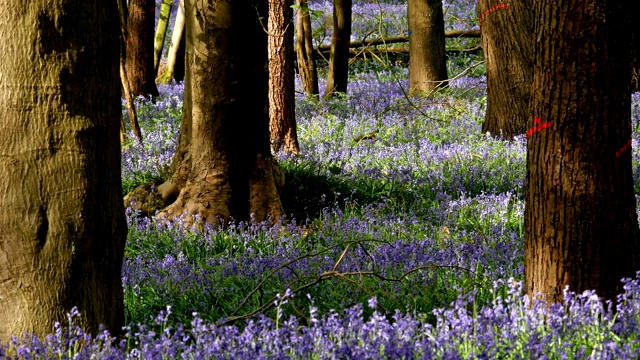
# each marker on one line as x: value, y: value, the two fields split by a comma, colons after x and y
x: 403, y: 39
x: 393, y: 53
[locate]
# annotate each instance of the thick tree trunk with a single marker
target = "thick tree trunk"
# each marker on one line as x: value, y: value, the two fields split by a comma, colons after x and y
x: 140, y: 29
x: 507, y: 42
x: 225, y: 168
x: 427, y: 60
x: 282, y: 120
x: 63, y: 226
x: 581, y: 227
x: 339, y: 60
x: 161, y: 32
x: 177, y: 38
x: 304, y: 51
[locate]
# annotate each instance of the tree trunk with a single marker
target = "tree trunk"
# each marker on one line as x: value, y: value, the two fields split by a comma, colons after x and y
x: 179, y: 69
x: 124, y: 79
x: 177, y: 39
x: 581, y: 227
x: 427, y: 60
x: 140, y: 69
x: 224, y: 168
x: 306, y: 64
x: 635, y: 74
x: 339, y: 60
x: 282, y: 120
x: 63, y: 225
x: 507, y: 42
x: 161, y: 32
x: 131, y: 106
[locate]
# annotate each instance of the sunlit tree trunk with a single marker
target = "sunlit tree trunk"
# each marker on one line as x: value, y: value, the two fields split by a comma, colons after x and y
x: 581, y: 226
x: 339, y: 59
x: 282, y: 120
x: 161, y: 32
x: 427, y: 60
x: 139, y: 48
x: 177, y: 38
x: 304, y: 50
x: 62, y: 225
x: 507, y: 43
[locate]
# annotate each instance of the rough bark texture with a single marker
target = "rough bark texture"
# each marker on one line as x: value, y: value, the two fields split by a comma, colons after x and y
x: 282, y: 120
x: 427, y: 60
x: 581, y: 226
x: 63, y: 226
x: 304, y: 51
x: 339, y: 60
x: 223, y: 166
x: 506, y: 29
x: 139, y: 48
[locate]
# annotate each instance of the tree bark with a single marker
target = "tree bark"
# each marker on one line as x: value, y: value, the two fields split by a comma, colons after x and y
x: 282, y: 120
x: 304, y: 51
x: 427, y: 60
x: 161, y: 33
x: 139, y: 49
x: 63, y: 225
x: 339, y: 60
x: 506, y: 29
x: 224, y: 168
x: 131, y: 106
x: 176, y: 40
x: 581, y: 227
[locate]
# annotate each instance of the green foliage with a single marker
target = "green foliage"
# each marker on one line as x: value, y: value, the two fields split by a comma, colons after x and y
x: 342, y: 201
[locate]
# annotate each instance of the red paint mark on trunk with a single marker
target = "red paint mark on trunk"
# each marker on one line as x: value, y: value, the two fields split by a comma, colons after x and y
x: 491, y: 9
x: 538, y: 126
x: 624, y: 148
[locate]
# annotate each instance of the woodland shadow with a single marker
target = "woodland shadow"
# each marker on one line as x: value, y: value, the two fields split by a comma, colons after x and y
x: 311, y: 188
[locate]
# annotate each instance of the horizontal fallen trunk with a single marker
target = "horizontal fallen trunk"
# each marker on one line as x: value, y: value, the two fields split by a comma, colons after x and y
x: 394, y: 52
x: 403, y: 39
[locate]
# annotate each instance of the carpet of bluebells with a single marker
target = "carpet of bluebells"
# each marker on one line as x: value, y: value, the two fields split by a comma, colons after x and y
x: 403, y: 238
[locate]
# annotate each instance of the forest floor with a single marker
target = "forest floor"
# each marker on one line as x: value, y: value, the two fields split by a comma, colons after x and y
x: 403, y: 236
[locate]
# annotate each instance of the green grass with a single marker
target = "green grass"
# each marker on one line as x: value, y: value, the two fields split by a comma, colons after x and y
x: 341, y: 212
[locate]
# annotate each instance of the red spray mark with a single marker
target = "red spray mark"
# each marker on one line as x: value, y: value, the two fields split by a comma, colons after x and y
x: 538, y: 126
x: 493, y: 8
x: 624, y: 148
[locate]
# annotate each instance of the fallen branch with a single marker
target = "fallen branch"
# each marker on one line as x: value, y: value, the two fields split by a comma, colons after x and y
x: 403, y: 39
x: 302, y: 283
x: 363, y: 52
